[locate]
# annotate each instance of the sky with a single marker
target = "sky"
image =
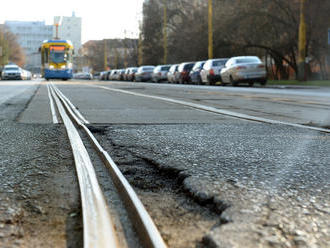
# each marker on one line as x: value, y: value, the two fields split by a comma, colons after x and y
x: 100, y: 18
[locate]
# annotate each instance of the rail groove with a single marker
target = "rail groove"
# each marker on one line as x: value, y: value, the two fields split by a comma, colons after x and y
x: 144, y: 226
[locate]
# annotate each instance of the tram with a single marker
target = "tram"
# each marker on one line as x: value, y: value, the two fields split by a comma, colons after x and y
x: 56, y: 59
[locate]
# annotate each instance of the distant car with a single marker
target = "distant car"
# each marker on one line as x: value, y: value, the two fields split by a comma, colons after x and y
x: 160, y: 73
x: 144, y: 73
x: 244, y: 69
x: 183, y: 72
x: 210, y: 74
x: 195, y: 73
x: 83, y: 75
x: 131, y: 73
x: 103, y: 75
x: 11, y: 72
x: 114, y: 75
x: 171, y: 73
x: 121, y: 75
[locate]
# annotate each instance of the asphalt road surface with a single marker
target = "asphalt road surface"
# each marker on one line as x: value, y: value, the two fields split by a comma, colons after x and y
x: 251, y: 184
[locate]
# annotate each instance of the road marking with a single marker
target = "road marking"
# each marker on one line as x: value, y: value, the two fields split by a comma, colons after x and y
x: 52, y: 108
x: 215, y: 110
x: 98, y: 227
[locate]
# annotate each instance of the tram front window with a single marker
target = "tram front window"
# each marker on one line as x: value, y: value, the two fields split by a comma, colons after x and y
x: 58, y: 57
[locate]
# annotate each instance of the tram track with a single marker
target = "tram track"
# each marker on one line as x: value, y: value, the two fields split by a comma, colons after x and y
x: 99, y: 228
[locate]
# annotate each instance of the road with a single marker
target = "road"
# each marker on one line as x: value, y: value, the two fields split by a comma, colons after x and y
x: 225, y: 181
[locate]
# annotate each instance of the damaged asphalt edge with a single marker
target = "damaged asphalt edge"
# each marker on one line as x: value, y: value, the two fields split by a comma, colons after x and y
x: 213, y: 204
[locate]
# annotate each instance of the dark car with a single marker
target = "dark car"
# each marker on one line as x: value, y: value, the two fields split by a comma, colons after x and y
x: 195, y: 73
x: 183, y: 72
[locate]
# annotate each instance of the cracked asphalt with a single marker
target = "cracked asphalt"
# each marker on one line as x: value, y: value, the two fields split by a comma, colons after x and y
x: 207, y: 180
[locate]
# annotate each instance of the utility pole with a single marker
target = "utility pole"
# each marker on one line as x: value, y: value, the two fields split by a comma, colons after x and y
x: 105, y: 55
x: 302, y: 43
x: 165, y: 32
x: 210, y: 48
x: 140, y: 50
x: 2, y: 47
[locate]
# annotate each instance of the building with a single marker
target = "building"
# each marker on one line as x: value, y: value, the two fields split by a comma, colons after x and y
x: 30, y: 35
x: 69, y: 28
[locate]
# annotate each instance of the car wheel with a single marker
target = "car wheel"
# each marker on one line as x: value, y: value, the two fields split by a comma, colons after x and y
x: 263, y: 83
x: 199, y: 80
x: 221, y: 82
x: 208, y: 81
x: 233, y: 83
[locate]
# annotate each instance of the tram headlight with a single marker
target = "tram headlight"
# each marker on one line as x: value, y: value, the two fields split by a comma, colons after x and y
x: 63, y: 67
x: 51, y: 67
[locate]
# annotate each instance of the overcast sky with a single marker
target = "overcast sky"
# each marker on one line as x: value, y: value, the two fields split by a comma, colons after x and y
x: 100, y: 18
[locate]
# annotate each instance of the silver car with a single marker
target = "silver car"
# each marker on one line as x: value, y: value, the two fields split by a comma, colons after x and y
x: 171, y: 74
x: 144, y: 73
x: 160, y: 73
x: 244, y: 69
x: 210, y: 74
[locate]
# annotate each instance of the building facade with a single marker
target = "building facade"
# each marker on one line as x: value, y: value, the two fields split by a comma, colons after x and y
x: 69, y: 28
x: 30, y: 35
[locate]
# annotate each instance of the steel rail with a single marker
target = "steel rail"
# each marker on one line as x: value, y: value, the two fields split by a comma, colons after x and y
x: 98, y: 228
x: 215, y: 110
x: 52, y: 107
x: 144, y: 225
x: 72, y: 107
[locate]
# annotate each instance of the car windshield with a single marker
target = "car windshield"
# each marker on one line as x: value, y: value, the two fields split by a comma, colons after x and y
x: 247, y: 61
x: 198, y: 65
x: 165, y: 68
x: 11, y: 69
x: 188, y: 66
x: 219, y: 62
x: 148, y: 69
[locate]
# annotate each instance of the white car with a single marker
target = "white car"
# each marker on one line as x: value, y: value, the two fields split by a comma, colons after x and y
x: 244, y: 69
x: 11, y: 72
x: 210, y: 73
x: 160, y: 73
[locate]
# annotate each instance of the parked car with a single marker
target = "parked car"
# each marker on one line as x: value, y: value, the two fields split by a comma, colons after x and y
x: 183, y: 72
x: 11, y: 72
x: 113, y: 75
x: 210, y: 74
x: 244, y: 69
x: 160, y: 73
x: 104, y: 75
x: 195, y: 73
x: 144, y: 73
x: 126, y: 74
x: 121, y: 75
x: 83, y: 75
x: 171, y: 73
x: 131, y: 73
